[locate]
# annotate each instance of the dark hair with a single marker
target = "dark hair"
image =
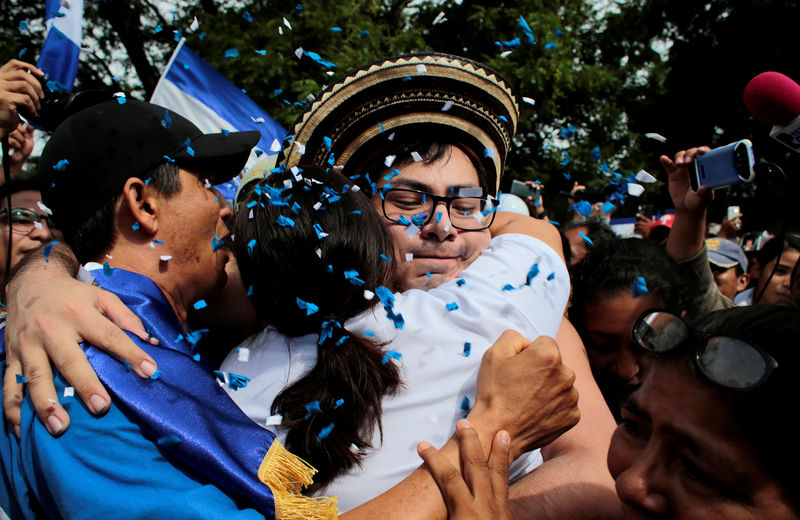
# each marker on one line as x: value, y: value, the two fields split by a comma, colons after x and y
x: 431, y: 148
x: 774, y: 246
x: 761, y: 413
x: 284, y: 263
x: 612, y: 267
x: 96, y: 236
x: 596, y: 229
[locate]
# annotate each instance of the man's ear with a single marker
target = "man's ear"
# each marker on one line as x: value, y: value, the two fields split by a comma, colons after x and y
x: 143, y: 203
x: 742, y: 282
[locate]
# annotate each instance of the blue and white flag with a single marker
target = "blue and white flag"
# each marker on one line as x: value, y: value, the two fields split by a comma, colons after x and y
x: 195, y: 90
x: 62, y: 45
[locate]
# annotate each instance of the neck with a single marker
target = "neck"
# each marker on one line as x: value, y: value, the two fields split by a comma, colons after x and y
x: 145, y: 261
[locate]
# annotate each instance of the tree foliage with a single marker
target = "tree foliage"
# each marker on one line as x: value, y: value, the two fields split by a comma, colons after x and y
x: 601, y: 73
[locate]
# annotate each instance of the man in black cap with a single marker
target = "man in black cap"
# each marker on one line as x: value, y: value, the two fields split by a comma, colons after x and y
x: 136, y: 208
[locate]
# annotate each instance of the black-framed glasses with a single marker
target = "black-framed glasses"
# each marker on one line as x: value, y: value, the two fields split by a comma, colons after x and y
x: 23, y: 220
x: 729, y: 362
x: 466, y: 211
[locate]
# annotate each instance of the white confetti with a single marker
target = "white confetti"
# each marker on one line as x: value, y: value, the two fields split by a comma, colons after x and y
x: 389, y: 160
x: 319, y: 252
x: 416, y: 156
x: 368, y: 295
x: 529, y: 101
x: 409, y: 257
x: 412, y: 230
x: 69, y: 391
x: 447, y: 228
x: 421, y: 69
x: 44, y: 208
x: 166, y: 258
x: 439, y: 18
x: 250, y: 216
x: 355, y: 188
x: 287, y: 24
x: 274, y: 420
x: 257, y: 120
x: 243, y: 354
x: 280, y: 30
x: 657, y: 137
x: 195, y: 24
x: 505, y: 53
x: 298, y: 52
x: 299, y: 148
x: 317, y: 206
x: 275, y: 146
x: 152, y: 245
x: 447, y: 106
x: 635, y: 189
x: 37, y: 225
x: 296, y: 173
x: 53, y: 401
x: 491, y: 152
x: 643, y: 176
x: 206, y: 184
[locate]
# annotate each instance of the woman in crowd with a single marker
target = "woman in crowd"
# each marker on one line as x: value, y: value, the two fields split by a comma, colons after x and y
x: 706, y: 435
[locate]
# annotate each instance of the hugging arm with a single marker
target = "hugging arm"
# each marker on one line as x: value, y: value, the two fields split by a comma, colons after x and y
x: 49, y: 314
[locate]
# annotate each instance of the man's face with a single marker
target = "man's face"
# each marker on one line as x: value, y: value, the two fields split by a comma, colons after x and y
x: 439, y: 251
x: 195, y: 219
x: 729, y: 281
x: 26, y: 234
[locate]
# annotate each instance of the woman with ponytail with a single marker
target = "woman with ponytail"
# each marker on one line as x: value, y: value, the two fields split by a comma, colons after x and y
x: 315, y: 251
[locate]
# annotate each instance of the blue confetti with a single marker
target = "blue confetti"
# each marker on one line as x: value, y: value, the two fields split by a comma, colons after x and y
x: 390, y: 354
x: 158, y: 29
x: 178, y: 35
x: 159, y: 242
x: 550, y: 45
x: 22, y: 52
x: 127, y: 365
x: 336, y: 29
x: 156, y: 375
x: 23, y: 25
x: 247, y: 16
x: 509, y: 287
x: 352, y: 277
x: 460, y: 282
x: 309, y: 307
x: 250, y: 246
x: 233, y: 52
x: 190, y: 151
x: 20, y: 379
x: 312, y: 408
x: 438, y: 217
x: 533, y: 272
x: 167, y: 121
x: 566, y: 159
x: 608, y: 207
x: 558, y: 32
x: 452, y: 306
x: 595, y: 155
x: 390, y: 176
x: 325, y: 432
x: 369, y: 332
x: 583, y: 208
x: 200, y: 304
x: 178, y: 338
x: 168, y: 440
x: 363, y: 34
x: 355, y: 212
x: 328, y: 142
x: 527, y: 30
x: 196, y: 357
x: 551, y: 277
x: 47, y: 249
x: 508, y: 45
x: 216, y: 243
x: 640, y: 287
x: 317, y: 59
x: 202, y: 35
x: 107, y: 269
x: 285, y: 221
x: 338, y: 403
x: 465, y: 406
x: 320, y: 233
x: 467, y: 349
x: 385, y: 258
x: 342, y: 340
x: 585, y: 238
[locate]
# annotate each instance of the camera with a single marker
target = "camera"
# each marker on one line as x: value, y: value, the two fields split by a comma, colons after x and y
x: 724, y: 166
x: 58, y: 104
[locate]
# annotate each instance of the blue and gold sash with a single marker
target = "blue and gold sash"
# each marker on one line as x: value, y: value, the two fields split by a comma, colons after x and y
x: 192, y: 418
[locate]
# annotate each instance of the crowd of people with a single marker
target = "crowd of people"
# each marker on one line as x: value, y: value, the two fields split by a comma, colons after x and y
x: 365, y: 331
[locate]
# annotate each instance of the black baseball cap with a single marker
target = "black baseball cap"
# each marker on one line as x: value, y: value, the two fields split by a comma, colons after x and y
x: 94, y: 151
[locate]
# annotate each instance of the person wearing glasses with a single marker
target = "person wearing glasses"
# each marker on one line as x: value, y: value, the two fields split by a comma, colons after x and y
x: 706, y: 435
x: 24, y: 227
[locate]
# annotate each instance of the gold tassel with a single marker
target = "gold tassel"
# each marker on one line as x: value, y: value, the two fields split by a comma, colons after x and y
x: 286, y: 475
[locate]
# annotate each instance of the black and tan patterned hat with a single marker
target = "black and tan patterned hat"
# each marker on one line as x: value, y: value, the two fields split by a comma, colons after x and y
x: 439, y: 94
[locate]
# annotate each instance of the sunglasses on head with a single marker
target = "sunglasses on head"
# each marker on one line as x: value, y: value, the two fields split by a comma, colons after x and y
x: 726, y: 361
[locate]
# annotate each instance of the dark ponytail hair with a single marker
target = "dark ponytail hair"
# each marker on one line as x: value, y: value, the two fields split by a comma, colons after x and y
x: 282, y: 259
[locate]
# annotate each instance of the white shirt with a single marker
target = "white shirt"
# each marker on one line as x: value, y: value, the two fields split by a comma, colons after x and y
x: 439, y: 379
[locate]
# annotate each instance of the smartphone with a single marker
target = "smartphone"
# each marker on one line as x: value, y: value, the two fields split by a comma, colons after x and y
x: 646, y: 210
x: 733, y: 212
x: 524, y: 190
x: 724, y: 166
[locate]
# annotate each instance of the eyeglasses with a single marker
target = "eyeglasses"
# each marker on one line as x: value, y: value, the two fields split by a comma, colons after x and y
x: 729, y: 362
x: 24, y: 220
x: 469, y: 213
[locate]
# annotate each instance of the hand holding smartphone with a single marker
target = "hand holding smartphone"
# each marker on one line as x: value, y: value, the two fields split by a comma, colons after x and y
x: 724, y: 166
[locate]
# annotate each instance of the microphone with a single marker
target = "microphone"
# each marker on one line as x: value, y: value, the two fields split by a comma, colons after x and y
x: 775, y: 99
